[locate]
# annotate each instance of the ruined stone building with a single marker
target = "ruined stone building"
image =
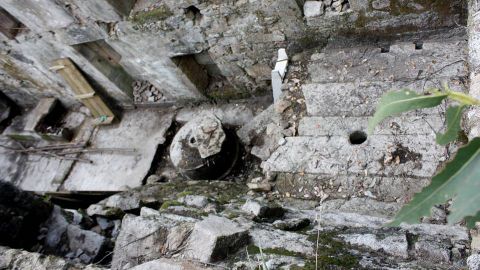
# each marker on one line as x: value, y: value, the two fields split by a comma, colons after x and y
x: 227, y: 134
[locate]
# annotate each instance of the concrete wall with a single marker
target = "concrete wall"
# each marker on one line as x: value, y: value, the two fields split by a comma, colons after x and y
x: 241, y: 38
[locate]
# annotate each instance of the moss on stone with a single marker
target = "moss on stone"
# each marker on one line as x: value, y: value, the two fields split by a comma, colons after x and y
x: 167, y: 204
x: 331, y: 252
x: 252, y: 250
x: 158, y: 14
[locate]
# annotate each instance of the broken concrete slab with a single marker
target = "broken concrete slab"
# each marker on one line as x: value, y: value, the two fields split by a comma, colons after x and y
x: 142, y: 131
x: 213, y: 238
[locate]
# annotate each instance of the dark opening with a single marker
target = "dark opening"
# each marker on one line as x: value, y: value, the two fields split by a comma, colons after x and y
x: 358, y: 137
x: 385, y: 49
x: 418, y: 45
x: 9, y: 25
x: 106, y: 60
x: 193, y: 13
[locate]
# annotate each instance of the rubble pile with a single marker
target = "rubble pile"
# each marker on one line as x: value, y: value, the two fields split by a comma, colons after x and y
x: 145, y: 92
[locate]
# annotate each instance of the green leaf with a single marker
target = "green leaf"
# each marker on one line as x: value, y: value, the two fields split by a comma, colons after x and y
x: 471, y: 220
x: 460, y: 180
x: 397, y: 102
x: 454, y: 119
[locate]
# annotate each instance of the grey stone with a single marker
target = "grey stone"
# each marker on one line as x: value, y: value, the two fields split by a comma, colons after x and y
x: 146, y: 238
x: 473, y: 262
x: 262, y: 210
x: 194, y: 201
x: 89, y: 243
x: 434, y: 251
x: 381, y: 4
x: 214, y: 238
x: 276, y: 239
x: 21, y: 259
x: 62, y: 238
x: 313, y: 8
x: 394, y: 245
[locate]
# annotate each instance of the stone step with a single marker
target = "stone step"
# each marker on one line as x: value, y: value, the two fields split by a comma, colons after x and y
x: 380, y: 155
x: 421, y: 124
x: 403, y: 62
x: 359, y: 98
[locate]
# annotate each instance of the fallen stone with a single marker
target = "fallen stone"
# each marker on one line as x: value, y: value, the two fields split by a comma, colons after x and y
x: 293, y: 224
x: 64, y: 238
x: 149, y: 237
x: 262, y: 210
x: 312, y: 8
x: 194, y: 201
x: 214, y: 238
x: 87, y: 245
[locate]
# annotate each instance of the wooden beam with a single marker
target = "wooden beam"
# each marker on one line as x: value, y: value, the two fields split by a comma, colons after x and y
x: 84, y: 91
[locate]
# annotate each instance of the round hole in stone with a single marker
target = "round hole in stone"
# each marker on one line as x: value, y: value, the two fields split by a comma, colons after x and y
x: 358, y: 137
x: 192, y: 140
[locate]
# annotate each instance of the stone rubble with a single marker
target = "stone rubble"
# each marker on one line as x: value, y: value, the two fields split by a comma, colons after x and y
x: 145, y: 92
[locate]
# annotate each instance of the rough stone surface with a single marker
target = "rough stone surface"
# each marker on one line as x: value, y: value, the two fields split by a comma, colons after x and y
x: 194, y: 201
x: 313, y: 8
x: 146, y: 238
x: 262, y: 210
x: 214, y: 238
x: 21, y: 259
x: 473, y: 262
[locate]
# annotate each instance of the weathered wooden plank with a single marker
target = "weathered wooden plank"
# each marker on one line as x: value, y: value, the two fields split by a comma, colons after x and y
x: 84, y: 91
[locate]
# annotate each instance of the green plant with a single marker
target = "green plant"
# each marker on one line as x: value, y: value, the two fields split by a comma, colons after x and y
x: 460, y: 178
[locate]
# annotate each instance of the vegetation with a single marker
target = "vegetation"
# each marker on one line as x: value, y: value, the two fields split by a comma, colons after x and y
x: 459, y: 180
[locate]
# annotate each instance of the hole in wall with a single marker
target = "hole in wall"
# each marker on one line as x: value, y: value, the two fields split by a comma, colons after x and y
x: 9, y: 25
x: 200, y: 69
x: 194, y: 14
x: 385, y: 49
x: 358, y: 137
x: 418, y: 45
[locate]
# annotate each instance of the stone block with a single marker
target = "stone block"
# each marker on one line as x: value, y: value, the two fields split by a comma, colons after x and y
x: 214, y: 238
x: 313, y: 8
x: 149, y: 237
